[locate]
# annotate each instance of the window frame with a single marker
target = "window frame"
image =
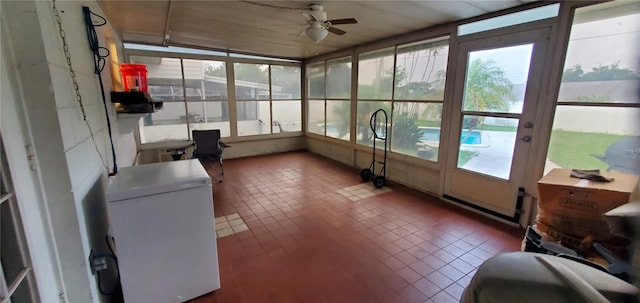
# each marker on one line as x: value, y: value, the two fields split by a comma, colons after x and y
x: 229, y: 60
x: 563, y: 106
x: 326, y: 99
x: 440, y: 40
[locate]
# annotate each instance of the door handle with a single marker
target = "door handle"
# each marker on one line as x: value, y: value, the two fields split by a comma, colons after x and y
x: 526, y: 138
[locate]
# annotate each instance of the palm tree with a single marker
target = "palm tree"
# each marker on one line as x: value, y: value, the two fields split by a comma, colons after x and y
x: 487, y: 87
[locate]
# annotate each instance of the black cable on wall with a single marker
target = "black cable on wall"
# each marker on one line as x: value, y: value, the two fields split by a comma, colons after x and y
x: 99, y: 56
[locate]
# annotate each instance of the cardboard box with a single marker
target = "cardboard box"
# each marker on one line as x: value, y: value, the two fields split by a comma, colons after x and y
x: 623, y: 220
x: 576, y: 206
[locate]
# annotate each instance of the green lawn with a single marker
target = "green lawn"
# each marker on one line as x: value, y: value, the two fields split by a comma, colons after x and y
x: 574, y: 149
x: 497, y: 128
x: 464, y: 156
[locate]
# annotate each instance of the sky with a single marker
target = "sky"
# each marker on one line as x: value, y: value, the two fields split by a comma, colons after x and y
x: 513, y: 60
x: 604, y: 42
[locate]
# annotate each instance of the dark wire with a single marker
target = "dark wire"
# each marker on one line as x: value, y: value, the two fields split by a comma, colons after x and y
x: 99, y: 64
x: 116, y: 286
x: 115, y: 260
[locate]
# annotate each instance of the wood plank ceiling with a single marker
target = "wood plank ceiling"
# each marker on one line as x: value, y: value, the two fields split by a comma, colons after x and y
x: 271, y: 28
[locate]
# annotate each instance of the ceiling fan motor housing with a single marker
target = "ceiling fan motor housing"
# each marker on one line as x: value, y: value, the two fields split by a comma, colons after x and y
x: 317, y: 12
x: 319, y: 26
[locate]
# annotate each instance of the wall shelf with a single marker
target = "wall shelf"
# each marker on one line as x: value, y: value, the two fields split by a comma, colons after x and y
x: 134, y: 103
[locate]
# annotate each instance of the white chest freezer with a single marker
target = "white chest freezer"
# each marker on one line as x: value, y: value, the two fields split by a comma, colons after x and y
x: 161, y: 216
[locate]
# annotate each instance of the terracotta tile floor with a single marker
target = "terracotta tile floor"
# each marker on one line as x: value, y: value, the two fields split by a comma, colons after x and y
x: 308, y: 243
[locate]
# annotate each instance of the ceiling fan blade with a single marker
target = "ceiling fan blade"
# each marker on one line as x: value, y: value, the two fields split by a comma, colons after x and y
x: 336, y: 31
x: 289, y: 24
x: 343, y: 21
x: 301, y: 32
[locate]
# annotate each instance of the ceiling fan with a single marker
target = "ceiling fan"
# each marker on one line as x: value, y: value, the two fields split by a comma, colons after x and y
x: 319, y: 26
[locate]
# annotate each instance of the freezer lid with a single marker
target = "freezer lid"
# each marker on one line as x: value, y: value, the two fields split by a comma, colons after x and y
x: 156, y: 178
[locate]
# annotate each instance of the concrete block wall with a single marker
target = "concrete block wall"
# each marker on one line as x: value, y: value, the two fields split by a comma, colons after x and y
x: 73, y: 156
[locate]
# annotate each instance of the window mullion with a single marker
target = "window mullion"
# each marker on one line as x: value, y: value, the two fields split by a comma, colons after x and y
x: 232, y: 100
x: 325, y: 97
x: 270, y: 100
x: 184, y: 99
x: 22, y: 276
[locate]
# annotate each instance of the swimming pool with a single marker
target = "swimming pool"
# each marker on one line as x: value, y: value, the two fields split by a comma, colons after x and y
x: 473, y: 137
x: 467, y: 137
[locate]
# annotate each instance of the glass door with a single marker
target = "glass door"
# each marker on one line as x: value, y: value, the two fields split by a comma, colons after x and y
x: 496, y: 89
x: 16, y: 275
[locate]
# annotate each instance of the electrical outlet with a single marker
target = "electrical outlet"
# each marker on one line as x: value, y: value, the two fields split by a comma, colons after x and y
x: 97, y: 263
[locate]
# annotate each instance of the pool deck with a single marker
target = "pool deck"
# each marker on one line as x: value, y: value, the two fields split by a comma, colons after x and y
x: 493, y: 158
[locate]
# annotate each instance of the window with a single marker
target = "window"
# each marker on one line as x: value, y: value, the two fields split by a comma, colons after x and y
x: 207, y: 98
x: 375, y: 82
x: 17, y: 281
x: 596, y: 123
x: 315, y: 103
x: 338, y: 119
x: 420, y: 70
x: 334, y: 78
x: 195, y: 96
x: 286, y: 99
x: 315, y: 116
x: 315, y: 80
x: 252, y: 95
x: 530, y: 15
x: 338, y: 78
x: 164, y: 80
x: 268, y: 98
x: 375, y: 75
x: 364, y: 133
x: 406, y: 81
x: 338, y: 113
x: 204, y: 89
x: 420, y: 73
x: 416, y: 129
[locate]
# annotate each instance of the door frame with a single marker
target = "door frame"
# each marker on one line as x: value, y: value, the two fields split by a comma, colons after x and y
x: 538, y: 33
x: 20, y: 253
x: 24, y: 171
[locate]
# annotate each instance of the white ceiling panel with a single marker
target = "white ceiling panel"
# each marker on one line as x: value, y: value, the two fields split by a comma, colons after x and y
x: 272, y: 27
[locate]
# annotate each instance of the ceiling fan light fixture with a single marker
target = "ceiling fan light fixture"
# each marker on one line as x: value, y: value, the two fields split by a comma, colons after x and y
x: 316, y: 33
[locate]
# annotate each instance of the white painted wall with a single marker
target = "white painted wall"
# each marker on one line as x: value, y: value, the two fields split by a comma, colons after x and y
x: 33, y: 210
x: 33, y: 70
x: 264, y: 147
x: 337, y: 152
x: 400, y: 169
x: 238, y: 149
x: 72, y: 166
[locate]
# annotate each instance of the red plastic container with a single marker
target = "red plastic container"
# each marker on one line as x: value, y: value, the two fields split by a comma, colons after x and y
x: 134, y: 77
